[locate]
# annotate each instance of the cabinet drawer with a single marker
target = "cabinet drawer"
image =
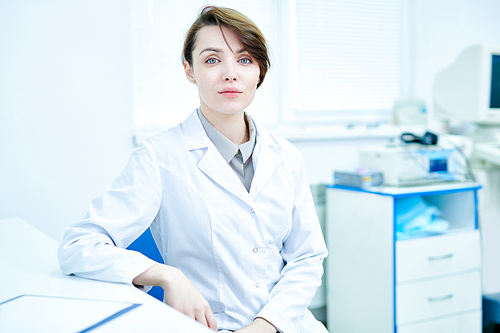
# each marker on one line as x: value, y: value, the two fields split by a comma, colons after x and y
x: 438, y: 297
x: 437, y: 255
x: 470, y: 322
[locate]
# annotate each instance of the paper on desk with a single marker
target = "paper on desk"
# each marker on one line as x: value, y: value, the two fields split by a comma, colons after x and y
x: 35, y: 313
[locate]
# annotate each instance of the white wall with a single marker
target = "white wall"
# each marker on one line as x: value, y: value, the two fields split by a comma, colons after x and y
x: 323, y: 157
x: 65, y: 106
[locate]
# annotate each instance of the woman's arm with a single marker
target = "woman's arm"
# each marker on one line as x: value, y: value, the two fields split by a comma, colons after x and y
x: 259, y: 325
x: 180, y: 293
x: 94, y: 247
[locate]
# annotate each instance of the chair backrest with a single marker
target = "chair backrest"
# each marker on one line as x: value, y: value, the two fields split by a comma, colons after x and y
x: 147, y: 246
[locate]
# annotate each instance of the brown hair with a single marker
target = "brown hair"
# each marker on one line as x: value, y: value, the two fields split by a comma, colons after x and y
x: 248, y: 33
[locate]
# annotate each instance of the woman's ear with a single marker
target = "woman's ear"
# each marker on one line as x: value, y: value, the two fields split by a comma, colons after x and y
x: 189, y: 72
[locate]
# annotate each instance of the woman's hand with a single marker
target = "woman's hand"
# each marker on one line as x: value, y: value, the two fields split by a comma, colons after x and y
x: 183, y: 296
x: 259, y: 325
x: 180, y: 293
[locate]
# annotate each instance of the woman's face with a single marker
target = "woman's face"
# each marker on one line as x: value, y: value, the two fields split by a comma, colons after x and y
x: 225, y: 73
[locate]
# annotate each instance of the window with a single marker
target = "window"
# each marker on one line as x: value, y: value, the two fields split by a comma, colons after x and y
x: 345, y: 60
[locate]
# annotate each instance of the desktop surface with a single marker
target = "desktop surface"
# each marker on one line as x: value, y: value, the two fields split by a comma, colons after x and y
x: 31, y: 278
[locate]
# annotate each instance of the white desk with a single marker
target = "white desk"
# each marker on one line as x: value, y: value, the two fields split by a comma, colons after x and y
x: 28, y: 266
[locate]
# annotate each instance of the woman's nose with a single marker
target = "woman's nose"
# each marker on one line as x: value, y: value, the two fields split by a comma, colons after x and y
x: 230, y: 74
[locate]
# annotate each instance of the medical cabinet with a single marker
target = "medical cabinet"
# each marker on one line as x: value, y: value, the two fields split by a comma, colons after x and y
x: 403, y: 259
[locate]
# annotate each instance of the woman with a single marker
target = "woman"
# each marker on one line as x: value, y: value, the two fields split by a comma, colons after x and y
x: 228, y: 203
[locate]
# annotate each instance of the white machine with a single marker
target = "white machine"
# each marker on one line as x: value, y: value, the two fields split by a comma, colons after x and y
x: 413, y: 164
x: 469, y: 89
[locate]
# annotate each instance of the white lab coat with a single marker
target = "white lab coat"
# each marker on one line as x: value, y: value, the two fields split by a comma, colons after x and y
x: 250, y: 254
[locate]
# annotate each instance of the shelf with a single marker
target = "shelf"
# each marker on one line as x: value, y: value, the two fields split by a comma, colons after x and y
x: 488, y: 151
x: 398, y: 191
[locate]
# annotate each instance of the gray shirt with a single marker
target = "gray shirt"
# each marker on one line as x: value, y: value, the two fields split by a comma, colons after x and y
x: 239, y: 157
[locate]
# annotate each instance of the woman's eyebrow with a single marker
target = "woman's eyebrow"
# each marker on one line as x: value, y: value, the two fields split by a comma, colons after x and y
x: 212, y: 49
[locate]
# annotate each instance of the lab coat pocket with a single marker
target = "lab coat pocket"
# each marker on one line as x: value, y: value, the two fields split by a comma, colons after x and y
x: 278, y: 218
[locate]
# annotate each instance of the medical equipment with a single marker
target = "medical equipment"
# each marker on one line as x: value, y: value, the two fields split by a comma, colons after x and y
x: 469, y: 90
x: 359, y: 178
x: 412, y: 164
x: 427, y: 139
x: 488, y: 151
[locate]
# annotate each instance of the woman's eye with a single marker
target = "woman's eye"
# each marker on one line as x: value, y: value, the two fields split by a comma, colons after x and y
x: 245, y: 61
x: 212, y: 61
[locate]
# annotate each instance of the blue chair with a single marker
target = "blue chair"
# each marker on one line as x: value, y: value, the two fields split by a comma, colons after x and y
x: 491, y: 309
x: 147, y: 246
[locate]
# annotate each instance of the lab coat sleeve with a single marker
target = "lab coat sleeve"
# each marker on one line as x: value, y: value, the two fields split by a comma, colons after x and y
x: 95, y: 246
x: 303, y: 252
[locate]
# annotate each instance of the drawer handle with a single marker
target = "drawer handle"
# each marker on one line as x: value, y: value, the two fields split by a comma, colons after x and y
x: 440, y: 298
x: 444, y: 256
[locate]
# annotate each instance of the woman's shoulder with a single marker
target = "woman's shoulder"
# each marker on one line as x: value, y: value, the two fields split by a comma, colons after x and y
x: 165, y: 136
x: 165, y: 143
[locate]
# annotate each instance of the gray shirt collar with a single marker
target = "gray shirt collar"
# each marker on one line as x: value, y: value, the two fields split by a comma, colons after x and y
x: 225, y: 146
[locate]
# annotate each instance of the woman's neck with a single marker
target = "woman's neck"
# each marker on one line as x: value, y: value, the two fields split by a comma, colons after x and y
x: 232, y: 126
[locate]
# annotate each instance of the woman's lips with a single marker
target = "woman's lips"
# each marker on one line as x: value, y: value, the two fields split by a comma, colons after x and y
x: 230, y: 92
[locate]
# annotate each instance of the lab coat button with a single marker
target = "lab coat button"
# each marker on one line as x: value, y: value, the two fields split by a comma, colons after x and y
x: 253, y: 211
x: 255, y: 250
x: 257, y: 285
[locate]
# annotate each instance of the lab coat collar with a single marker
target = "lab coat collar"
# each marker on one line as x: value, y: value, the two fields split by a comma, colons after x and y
x: 194, y: 133
x: 265, y: 159
x: 211, y: 163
